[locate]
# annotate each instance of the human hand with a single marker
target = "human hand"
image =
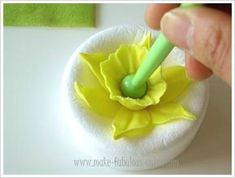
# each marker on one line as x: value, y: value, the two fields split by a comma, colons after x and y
x: 203, y: 32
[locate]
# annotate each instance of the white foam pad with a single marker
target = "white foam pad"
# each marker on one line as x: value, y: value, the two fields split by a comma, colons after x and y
x: 163, y: 144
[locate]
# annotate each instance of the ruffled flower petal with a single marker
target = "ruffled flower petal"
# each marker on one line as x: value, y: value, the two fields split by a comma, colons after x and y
x: 163, y: 113
x: 126, y: 61
x: 177, y: 82
x: 127, y: 121
x: 156, y: 76
x: 146, y: 41
x: 93, y: 61
x: 97, y: 99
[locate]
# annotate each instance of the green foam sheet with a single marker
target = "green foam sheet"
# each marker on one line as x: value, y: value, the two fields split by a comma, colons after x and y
x: 51, y: 15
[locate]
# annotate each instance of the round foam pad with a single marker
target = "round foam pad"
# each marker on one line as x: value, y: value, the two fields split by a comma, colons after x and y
x: 163, y: 144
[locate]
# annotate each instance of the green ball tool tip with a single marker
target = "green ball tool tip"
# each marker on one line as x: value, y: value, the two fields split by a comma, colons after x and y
x: 135, y: 85
x: 130, y: 90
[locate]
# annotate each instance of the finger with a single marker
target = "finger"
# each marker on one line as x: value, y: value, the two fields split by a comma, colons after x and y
x: 195, y: 70
x: 155, y: 12
x: 205, y: 33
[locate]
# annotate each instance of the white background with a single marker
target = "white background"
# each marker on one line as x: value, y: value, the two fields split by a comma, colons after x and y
x: 37, y: 139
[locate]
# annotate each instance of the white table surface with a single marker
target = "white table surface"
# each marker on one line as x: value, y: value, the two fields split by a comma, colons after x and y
x: 37, y: 139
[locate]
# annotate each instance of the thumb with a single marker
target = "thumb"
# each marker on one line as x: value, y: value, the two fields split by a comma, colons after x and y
x: 205, y: 34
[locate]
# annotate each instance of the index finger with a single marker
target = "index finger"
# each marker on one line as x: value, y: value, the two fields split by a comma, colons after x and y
x: 155, y: 12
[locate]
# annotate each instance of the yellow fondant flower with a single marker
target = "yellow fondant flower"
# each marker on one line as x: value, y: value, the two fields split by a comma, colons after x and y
x: 99, y: 88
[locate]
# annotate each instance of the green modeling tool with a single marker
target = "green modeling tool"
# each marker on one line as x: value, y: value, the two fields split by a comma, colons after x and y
x: 135, y: 85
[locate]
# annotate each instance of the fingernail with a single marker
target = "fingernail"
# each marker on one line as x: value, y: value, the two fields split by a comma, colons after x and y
x: 178, y: 29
